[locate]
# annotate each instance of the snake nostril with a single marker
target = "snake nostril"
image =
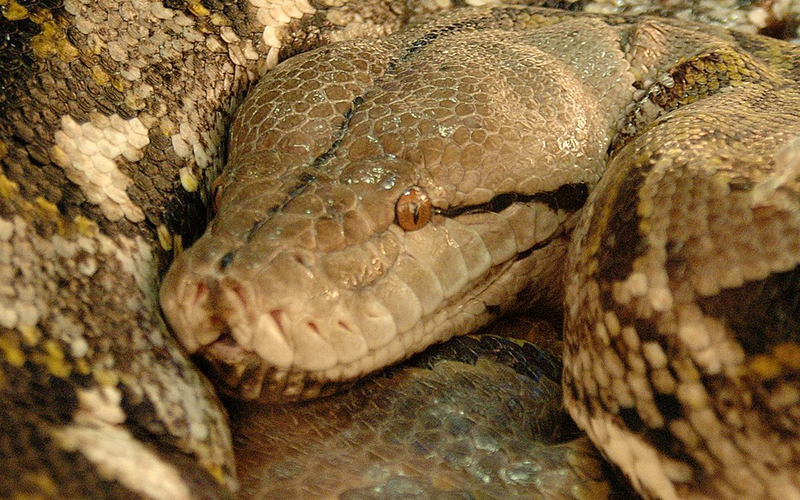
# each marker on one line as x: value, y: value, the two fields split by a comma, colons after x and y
x: 345, y: 326
x: 313, y: 327
x: 226, y: 261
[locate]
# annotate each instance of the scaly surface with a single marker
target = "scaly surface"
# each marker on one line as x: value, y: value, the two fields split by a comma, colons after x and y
x: 681, y: 359
x: 437, y: 426
x: 112, y: 117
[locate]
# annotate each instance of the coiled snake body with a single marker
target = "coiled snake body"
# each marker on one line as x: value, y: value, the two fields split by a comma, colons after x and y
x: 383, y: 195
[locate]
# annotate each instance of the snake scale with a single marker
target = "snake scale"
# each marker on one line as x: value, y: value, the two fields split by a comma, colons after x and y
x: 656, y: 159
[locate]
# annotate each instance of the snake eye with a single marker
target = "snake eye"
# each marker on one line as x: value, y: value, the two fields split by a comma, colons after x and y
x: 216, y: 193
x: 413, y: 209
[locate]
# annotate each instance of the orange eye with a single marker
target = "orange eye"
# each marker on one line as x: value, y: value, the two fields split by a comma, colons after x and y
x: 216, y: 193
x: 413, y: 209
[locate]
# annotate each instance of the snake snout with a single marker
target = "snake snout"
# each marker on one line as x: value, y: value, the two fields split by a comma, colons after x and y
x: 203, y: 306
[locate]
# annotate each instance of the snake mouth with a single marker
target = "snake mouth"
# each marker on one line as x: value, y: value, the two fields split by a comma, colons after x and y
x: 242, y: 374
x: 234, y: 369
x: 225, y: 349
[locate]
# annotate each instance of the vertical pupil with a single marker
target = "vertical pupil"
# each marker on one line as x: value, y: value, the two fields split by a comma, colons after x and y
x: 415, y: 212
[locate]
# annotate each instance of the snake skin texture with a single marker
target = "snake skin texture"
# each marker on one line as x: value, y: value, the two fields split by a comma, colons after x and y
x: 443, y: 418
x: 113, y: 122
x: 111, y: 114
x: 682, y: 358
x: 682, y: 278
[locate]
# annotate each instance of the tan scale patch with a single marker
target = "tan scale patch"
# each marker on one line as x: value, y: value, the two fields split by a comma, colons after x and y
x: 88, y: 152
x: 274, y: 16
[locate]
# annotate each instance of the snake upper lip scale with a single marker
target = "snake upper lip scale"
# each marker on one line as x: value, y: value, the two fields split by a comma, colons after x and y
x: 395, y: 199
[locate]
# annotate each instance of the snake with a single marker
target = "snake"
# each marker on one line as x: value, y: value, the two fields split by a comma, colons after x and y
x: 479, y: 416
x: 113, y: 122
x: 384, y: 195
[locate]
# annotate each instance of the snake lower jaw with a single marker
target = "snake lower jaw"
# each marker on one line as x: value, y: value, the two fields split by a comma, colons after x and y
x: 226, y: 350
x: 243, y: 374
x: 226, y: 361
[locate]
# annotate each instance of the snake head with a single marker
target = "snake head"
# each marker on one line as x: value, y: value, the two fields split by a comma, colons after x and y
x: 379, y: 199
x: 288, y: 286
x: 306, y: 279
x: 288, y: 296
